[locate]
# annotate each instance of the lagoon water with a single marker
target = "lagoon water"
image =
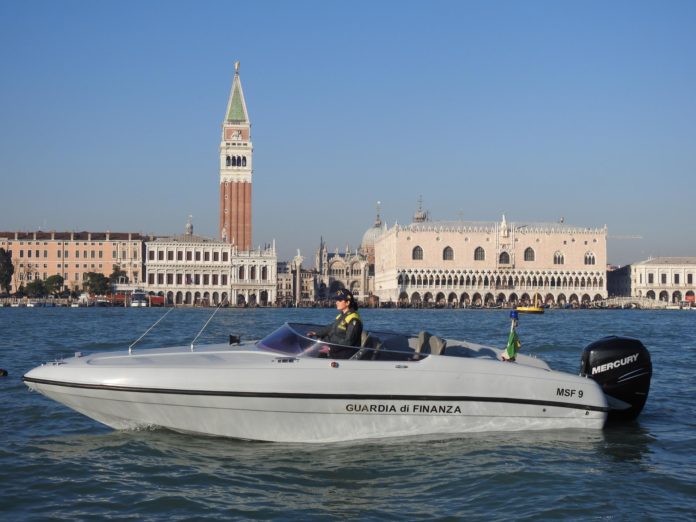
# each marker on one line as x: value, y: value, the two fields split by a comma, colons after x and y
x: 58, y: 465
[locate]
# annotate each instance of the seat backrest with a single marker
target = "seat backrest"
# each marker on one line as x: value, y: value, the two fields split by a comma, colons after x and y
x: 437, y: 345
x: 374, y: 355
x: 423, y: 344
x: 364, y: 338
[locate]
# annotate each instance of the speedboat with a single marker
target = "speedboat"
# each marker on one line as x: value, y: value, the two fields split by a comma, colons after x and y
x: 289, y: 387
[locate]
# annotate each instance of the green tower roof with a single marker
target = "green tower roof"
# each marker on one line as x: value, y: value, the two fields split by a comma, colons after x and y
x: 237, y: 112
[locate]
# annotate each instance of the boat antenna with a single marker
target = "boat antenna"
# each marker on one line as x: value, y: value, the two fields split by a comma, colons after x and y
x: 207, y: 322
x: 130, y: 348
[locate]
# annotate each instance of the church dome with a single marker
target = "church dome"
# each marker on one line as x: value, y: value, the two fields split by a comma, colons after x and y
x: 372, y: 233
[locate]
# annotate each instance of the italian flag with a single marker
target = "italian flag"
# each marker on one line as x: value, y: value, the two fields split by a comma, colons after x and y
x: 513, y: 344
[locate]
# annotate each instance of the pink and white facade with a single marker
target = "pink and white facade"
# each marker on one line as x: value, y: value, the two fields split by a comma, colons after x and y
x: 490, y: 263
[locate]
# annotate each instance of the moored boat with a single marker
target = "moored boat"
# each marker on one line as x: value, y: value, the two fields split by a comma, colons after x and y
x: 534, y: 308
x: 138, y: 299
x: 282, y: 388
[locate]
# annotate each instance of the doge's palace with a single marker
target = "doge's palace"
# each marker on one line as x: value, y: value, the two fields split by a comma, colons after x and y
x: 466, y: 263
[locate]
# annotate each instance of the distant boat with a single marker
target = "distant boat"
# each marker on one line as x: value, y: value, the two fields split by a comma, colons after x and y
x: 139, y: 298
x: 532, y: 309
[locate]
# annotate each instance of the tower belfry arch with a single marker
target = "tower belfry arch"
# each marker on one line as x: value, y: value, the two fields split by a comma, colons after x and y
x: 236, y: 169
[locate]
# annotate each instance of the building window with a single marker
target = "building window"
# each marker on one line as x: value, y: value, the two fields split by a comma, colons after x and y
x: 663, y: 279
x: 206, y: 256
x: 224, y: 279
x: 417, y: 253
x: 241, y: 273
x: 504, y: 258
x: 479, y: 254
x: 179, y: 256
x: 651, y: 278
x: 448, y: 254
x: 160, y: 279
x: 589, y: 258
x: 189, y: 256
x: 676, y: 279
x: 170, y: 255
x: 689, y: 279
x: 558, y: 258
x: 179, y: 278
x: 160, y: 255
x: 198, y: 255
x: 225, y: 257
x: 529, y: 254
x: 216, y: 256
x: 215, y: 279
x: 206, y: 279
x: 150, y: 255
x: 170, y: 279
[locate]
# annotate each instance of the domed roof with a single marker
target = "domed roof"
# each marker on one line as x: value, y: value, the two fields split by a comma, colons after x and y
x: 372, y: 233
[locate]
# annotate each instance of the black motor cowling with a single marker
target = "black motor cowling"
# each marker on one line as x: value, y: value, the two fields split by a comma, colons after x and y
x: 622, y: 367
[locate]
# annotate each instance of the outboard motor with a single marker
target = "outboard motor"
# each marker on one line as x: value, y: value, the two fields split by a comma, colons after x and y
x: 623, y: 369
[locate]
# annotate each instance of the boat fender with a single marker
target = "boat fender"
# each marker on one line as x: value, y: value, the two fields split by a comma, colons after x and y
x: 622, y: 367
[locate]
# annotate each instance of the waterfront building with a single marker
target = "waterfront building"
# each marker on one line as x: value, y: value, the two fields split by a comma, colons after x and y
x: 296, y: 285
x: 285, y: 295
x: 667, y: 279
x: 335, y: 270
x: 236, y: 170
x: 462, y: 263
x: 194, y: 270
x: 72, y: 255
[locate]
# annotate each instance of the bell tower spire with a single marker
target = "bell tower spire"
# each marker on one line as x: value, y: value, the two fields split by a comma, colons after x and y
x: 236, y: 169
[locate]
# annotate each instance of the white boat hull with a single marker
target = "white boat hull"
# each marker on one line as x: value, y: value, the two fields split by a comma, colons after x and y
x: 250, y: 394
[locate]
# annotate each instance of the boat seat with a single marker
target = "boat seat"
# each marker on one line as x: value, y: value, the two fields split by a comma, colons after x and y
x: 430, y: 344
x: 375, y: 352
x: 423, y: 342
x: 368, y: 347
x: 437, y: 345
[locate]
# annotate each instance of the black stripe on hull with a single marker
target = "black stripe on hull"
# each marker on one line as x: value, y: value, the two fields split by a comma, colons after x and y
x: 324, y: 396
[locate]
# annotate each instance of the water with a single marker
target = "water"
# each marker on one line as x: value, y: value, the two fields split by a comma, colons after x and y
x: 57, y: 464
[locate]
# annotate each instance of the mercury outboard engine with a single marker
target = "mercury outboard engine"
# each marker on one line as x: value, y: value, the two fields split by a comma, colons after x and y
x: 622, y: 368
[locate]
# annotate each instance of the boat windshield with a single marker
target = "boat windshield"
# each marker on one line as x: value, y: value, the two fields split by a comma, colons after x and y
x: 292, y: 339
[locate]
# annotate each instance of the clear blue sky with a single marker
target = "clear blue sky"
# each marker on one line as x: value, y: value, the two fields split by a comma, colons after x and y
x: 111, y: 113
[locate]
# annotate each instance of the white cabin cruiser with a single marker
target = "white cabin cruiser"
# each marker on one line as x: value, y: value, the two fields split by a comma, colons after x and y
x: 283, y: 388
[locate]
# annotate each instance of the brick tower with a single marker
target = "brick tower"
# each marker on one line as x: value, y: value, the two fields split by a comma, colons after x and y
x: 236, y: 170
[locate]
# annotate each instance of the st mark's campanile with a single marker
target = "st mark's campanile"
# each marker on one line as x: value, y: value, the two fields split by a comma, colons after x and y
x: 236, y: 170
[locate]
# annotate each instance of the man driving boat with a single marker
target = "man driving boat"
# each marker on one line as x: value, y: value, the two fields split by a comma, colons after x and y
x: 345, y: 331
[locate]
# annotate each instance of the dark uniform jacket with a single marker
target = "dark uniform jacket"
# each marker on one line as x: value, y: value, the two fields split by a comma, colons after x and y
x: 345, y: 330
